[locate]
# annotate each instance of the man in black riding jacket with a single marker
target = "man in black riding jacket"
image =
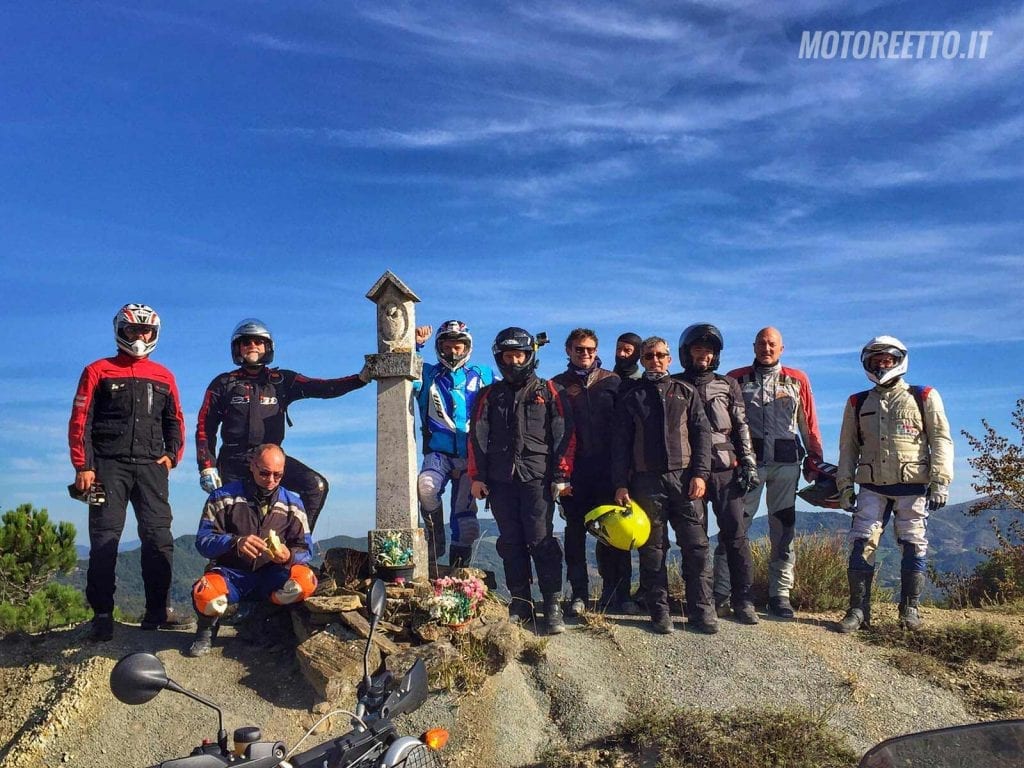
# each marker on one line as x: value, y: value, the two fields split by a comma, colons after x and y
x: 733, y: 464
x: 661, y: 456
x: 250, y: 406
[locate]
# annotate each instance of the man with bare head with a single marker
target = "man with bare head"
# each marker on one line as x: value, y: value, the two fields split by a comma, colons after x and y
x: 784, y: 429
x: 257, y: 535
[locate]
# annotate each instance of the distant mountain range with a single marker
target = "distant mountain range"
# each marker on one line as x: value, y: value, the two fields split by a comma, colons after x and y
x: 954, y: 540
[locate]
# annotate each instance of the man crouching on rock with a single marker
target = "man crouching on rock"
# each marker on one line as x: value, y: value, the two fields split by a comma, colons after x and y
x: 257, y: 536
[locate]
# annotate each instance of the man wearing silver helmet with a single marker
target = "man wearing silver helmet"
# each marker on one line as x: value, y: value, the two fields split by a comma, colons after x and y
x: 250, y: 407
x: 126, y: 434
x: 895, y: 445
x: 445, y: 395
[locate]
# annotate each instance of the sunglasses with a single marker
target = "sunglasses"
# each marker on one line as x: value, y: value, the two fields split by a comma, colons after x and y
x: 266, y: 473
x: 584, y: 350
x: 652, y: 355
x: 247, y: 340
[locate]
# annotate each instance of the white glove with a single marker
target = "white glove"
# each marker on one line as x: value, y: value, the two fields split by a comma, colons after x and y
x: 938, y: 495
x: 209, y: 479
x: 558, y: 490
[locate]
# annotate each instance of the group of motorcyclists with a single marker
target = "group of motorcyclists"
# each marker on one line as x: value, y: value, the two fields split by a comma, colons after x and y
x: 672, y: 443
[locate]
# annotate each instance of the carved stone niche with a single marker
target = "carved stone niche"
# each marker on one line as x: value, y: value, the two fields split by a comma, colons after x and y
x: 396, y: 317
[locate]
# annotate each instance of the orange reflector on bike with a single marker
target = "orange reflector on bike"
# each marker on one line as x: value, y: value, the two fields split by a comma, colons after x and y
x: 435, y: 738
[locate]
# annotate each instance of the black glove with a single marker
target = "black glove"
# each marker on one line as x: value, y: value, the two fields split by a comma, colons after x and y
x: 748, y: 478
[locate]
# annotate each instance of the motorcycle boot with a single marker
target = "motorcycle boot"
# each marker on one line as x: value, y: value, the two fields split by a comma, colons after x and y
x: 745, y: 613
x: 203, y: 642
x: 912, y: 584
x: 520, y: 609
x: 779, y: 607
x: 855, y: 617
x: 459, y: 556
x: 553, y: 620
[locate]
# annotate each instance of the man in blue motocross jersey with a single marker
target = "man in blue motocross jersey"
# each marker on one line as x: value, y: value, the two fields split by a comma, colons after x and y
x: 445, y: 396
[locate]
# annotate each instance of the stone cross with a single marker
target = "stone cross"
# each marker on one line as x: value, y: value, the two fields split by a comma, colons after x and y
x: 395, y: 367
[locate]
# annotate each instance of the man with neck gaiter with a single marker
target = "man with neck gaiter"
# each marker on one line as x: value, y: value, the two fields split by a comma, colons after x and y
x: 733, y: 466
x: 591, y: 391
x: 784, y: 429
x: 661, y: 456
x: 521, y: 448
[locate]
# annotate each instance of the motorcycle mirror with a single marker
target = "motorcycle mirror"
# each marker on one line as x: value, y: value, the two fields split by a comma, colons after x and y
x: 137, y: 678
x: 377, y: 598
x: 982, y: 745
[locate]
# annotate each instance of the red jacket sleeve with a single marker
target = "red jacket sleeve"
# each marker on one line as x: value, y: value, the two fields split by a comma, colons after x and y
x: 80, y: 424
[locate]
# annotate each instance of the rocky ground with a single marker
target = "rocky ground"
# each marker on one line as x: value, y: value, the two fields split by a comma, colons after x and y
x: 56, y: 707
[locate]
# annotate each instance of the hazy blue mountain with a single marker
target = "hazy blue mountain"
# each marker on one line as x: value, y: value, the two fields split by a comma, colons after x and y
x: 954, y: 539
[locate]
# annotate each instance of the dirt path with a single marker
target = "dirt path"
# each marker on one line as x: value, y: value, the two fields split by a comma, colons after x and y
x: 56, y: 707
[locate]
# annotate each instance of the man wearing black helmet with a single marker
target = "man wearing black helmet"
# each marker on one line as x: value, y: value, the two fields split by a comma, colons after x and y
x: 249, y: 405
x: 895, y: 444
x: 521, y: 448
x: 733, y: 465
x: 126, y: 433
x: 446, y: 394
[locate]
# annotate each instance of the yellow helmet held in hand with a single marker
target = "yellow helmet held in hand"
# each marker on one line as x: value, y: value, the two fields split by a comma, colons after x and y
x: 620, y: 527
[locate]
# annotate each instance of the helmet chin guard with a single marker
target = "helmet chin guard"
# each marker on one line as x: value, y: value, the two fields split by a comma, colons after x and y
x: 453, y: 330
x: 889, y: 345
x: 136, y: 315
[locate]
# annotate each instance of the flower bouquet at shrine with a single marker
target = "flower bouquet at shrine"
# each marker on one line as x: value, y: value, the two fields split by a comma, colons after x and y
x: 455, y: 601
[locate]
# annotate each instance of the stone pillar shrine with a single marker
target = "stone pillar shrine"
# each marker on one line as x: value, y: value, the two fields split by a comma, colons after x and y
x: 395, y: 367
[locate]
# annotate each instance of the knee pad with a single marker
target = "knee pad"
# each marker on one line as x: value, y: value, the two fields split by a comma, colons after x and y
x: 210, y: 594
x: 429, y: 486
x: 786, y: 516
x: 858, y: 561
x: 300, y: 585
x: 911, y: 560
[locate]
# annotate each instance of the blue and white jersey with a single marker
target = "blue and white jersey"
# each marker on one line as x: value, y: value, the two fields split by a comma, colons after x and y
x: 446, y: 400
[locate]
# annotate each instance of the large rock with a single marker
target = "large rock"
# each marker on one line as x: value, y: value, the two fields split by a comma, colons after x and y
x: 332, y: 662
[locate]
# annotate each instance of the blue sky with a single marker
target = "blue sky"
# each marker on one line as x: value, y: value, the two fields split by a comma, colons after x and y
x: 623, y: 166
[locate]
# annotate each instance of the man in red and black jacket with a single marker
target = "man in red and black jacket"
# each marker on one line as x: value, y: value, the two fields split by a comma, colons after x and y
x: 249, y: 406
x: 126, y: 434
x: 521, y: 448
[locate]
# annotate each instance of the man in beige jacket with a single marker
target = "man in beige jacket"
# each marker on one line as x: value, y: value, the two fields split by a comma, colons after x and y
x: 895, y: 445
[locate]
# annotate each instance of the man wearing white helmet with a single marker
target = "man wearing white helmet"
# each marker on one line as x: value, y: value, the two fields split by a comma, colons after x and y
x: 445, y: 395
x: 895, y: 445
x: 126, y: 434
x: 249, y: 406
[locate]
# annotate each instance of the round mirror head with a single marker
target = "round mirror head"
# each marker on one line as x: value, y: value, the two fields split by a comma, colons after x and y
x: 137, y: 678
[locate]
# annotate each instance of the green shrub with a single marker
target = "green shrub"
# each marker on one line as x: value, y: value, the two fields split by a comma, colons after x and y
x: 821, y: 584
x: 737, y: 738
x: 55, y: 605
x: 953, y: 644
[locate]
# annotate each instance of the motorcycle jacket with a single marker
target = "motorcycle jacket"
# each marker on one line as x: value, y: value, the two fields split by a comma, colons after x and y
x: 894, y: 440
x: 591, y: 398
x: 523, y: 433
x: 445, y: 398
x: 233, y: 511
x: 660, y: 426
x: 250, y: 408
x: 780, y: 413
x: 724, y: 407
x: 125, y: 408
